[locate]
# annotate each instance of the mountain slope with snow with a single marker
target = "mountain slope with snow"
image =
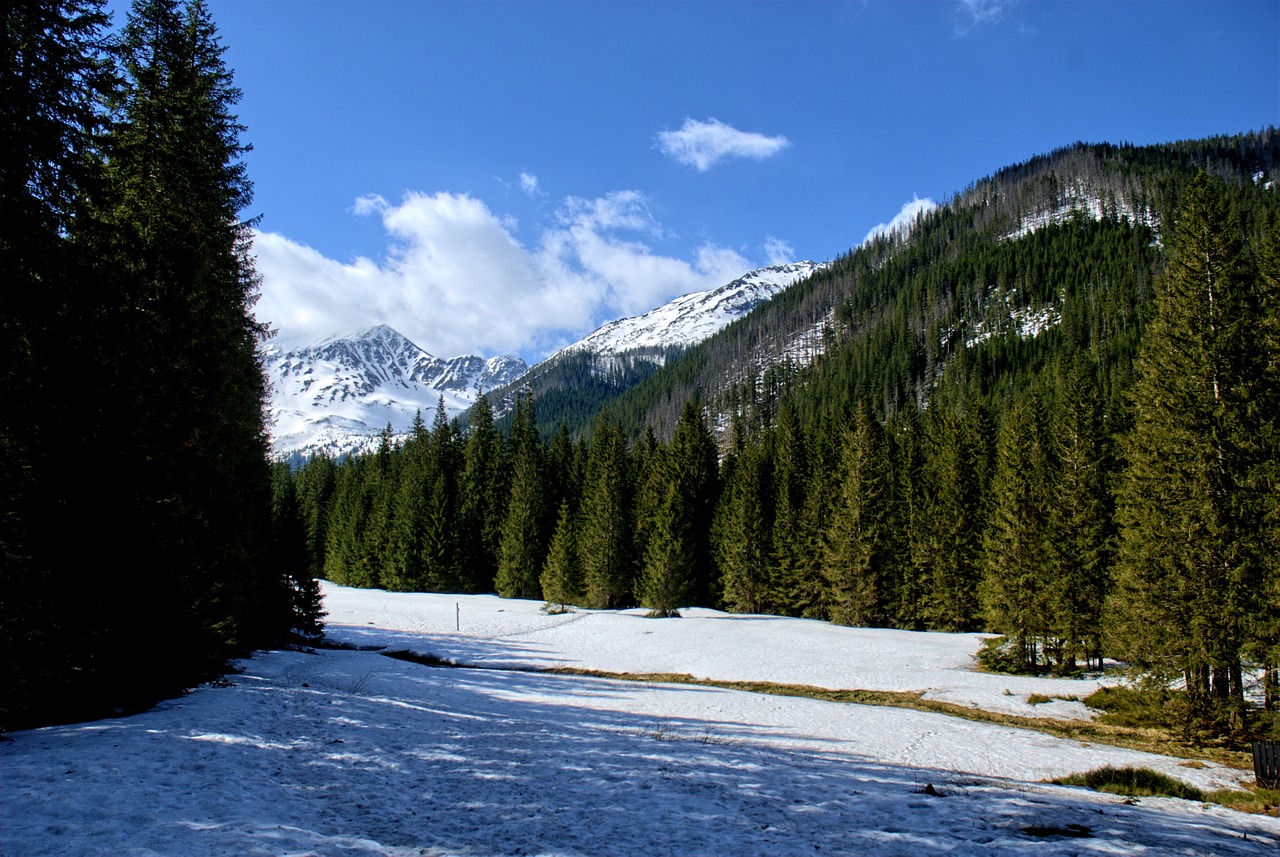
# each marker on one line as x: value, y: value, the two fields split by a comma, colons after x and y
x: 691, y: 318
x: 576, y: 381
x: 335, y: 395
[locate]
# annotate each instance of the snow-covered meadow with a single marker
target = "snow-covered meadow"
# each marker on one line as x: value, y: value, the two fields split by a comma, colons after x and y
x: 351, y: 752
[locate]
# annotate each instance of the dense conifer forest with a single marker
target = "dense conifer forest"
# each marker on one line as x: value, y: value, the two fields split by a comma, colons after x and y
x: 141, y: 541
x: 1063, y: 434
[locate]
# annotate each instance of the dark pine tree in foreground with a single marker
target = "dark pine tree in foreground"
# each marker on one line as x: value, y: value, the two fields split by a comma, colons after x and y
x: 53, y: 80
x: 160, y: 566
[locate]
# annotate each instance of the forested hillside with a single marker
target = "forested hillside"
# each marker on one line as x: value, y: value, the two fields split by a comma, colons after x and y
x: 140, y: 542
x: 1048, y: 410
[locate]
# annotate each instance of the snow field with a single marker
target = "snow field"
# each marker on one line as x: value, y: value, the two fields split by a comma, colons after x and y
x: 348, y: 752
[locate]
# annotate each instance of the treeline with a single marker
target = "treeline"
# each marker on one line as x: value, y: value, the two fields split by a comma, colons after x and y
x: 1099, y: 483
x: 141, y: 542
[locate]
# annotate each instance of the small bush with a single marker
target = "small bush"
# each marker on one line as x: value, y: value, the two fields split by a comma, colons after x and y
x: 1003, y: 655
x: 1133, y: 782
x: 1038, y: 699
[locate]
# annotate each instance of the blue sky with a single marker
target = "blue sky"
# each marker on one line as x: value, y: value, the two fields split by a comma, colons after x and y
x: 501, y: 177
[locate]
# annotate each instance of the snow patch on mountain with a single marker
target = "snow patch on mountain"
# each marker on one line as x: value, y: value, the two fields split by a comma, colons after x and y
x: 1028, y: 322
x: 335, y: 395
x: 1078, y: 199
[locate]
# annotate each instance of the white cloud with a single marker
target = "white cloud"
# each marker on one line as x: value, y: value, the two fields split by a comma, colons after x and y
x: 456, y: 280
x: 701, y: 145
x: 974, y: 13
x: 778, y: 252
x: 905, y: 218
x: 529, y: 184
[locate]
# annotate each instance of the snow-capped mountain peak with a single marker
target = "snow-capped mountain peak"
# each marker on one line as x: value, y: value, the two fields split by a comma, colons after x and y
x: 335, y: 394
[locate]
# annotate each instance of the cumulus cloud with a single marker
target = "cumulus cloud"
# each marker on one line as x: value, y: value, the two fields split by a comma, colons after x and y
x: 702, y: 145
x: 456, y: 280
x: 905, y: 218
x: 529, y: 184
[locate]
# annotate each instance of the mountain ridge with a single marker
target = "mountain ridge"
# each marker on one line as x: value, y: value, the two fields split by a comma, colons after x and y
x: 337, y: 393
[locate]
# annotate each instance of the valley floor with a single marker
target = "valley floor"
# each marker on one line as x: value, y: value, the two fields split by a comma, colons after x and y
x: 348, y: 752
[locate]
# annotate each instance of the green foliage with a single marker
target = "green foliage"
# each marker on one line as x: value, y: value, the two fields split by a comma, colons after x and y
x: 1195, y: 493
x: 858, y: 544
x: 1015, y: 587
x: 522, y: 545
x: 562, y: 575
x: 743, y: 531
x: 1133, y: 782
x: 1004, y: 655
x: 123, y: 250
x: 606, y: 540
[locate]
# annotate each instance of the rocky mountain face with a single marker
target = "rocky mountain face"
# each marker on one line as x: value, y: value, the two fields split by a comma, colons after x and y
x: 335, y: 395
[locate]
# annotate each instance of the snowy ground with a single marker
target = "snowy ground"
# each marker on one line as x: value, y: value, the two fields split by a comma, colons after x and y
x: 353, y: 753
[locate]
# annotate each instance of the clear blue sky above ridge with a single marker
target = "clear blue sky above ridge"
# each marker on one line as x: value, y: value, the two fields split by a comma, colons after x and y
x: 492, y: 176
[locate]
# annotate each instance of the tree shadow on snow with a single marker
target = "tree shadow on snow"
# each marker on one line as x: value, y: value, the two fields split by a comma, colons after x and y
x: 349, y: 752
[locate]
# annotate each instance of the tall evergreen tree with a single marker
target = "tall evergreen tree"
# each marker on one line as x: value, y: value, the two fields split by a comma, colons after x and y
x: 608, y: 520
x: 947, y: 549
x: 303, y: 608
x: 694, y: 469
x: 314, y: 485
x: 53, y: 81
x: 790, y: 590
x: 171, y: 434
x: 1016, y: 548
x: 482, y: 499
x: 667, y: 568
x: 522, y: 549
x: 914, y: 579
x: 1191, y: 559
x: 1081, y: 511
x: 562, y: 575
x: 404, y: 569
x: 743, y: 531
x: 856, y: 545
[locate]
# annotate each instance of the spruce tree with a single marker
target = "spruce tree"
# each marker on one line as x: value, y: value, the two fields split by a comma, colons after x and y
x: 179, y: 411
x: 667, y: 569
x: 522, y: 547
x: 743, y: 530
x: 694, y: 470
x: 404, y: 569
x: 608, y: 520
x: 54, y: 79
x: 562, y: 575
x: 1264, y: 646
x: 1080, y: 517
x: 914, y: 579
x: 790, y: 539
x: 1016, y: 547
x: 482, y: 499
x: 302, y: 610
x: 314, y: 484
x: 947, y: 550
x: 1191, y: 508
x: 856, y: 543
